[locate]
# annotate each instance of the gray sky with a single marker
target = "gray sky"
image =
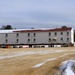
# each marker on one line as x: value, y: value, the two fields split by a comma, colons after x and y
x: 37, y: 13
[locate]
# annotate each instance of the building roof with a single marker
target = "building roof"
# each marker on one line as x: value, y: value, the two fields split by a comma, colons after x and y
x: 45, y: 30
x: 35, y: 30
x: 6, y: 31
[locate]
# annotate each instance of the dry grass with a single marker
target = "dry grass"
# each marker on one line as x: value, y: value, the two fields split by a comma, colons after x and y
x: 23, y: 65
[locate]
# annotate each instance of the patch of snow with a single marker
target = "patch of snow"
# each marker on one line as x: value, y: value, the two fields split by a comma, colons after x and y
x: 51, y: 59
x: 42, y: 63
x: 67, y: 67
x: 38, y: 65
x: 15, y: 54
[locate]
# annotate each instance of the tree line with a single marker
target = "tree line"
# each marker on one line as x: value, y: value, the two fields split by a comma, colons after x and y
x: 6, y: 27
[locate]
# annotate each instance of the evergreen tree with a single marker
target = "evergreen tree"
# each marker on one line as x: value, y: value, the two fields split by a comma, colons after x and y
x: 6, y: 27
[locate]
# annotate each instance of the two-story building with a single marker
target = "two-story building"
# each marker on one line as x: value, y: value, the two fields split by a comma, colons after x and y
x: 37, y: 36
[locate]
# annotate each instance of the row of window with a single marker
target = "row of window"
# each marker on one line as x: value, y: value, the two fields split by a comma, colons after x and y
x: 50, y: 34
x: 17, y: 40
x: 17, y: 35
x: 56, y: 40
x: 61, y: 33
x: 34, y: 34
x: 34, y: 40
x: 6, y: 35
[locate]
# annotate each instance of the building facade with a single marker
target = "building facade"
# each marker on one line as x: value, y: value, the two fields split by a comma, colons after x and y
x: 37, y: 36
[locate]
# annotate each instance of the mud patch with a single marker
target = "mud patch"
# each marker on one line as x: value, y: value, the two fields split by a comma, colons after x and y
x: 54, y: 71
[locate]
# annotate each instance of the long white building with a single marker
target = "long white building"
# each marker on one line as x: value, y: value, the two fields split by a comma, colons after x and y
x: 37, y: 36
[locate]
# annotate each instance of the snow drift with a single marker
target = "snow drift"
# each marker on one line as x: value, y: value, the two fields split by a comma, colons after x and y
x: 68, y: 67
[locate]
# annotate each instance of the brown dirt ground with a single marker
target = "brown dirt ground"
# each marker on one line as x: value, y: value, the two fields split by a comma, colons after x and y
x: 23, y: 65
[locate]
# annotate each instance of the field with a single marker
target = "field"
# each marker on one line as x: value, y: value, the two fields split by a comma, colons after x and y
x: 33, y: 61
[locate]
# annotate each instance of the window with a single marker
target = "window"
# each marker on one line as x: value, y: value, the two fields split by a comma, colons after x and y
x: 6, y: 35
x: 62, y: 39
x: 49, y: 34
x: 67, y: 39
x: 61, y: 33
x: 34, y: 40
x: 34, y: 34
x: 49, y: 39
x: 28, y: 34
x: 67, y: 33
x: 17, y: 40
x: 55, y: 34
x: 28, y: 40
x: 17, y: 35
x: 6, y: 40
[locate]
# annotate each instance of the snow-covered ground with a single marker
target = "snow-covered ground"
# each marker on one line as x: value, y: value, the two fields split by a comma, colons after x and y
x: 68, y: 67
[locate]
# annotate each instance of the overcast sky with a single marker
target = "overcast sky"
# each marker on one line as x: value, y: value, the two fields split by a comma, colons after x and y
x: 37, y: 13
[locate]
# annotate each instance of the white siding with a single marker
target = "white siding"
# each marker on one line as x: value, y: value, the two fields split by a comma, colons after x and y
x: 2, y: 38
x: 72, y: 36
x: 41, y: 37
